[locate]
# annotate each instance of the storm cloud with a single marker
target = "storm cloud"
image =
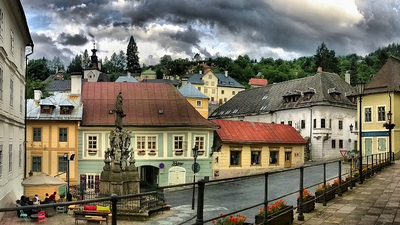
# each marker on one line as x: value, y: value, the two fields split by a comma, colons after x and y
x: 181, y: 28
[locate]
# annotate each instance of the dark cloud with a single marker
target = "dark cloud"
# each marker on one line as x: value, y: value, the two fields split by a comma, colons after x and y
x: 255, y: 27
x: 76, y: 39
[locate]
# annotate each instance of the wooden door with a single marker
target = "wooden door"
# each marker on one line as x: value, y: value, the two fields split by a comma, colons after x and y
x: 177, y: 175
x: 368, y: 146
x: 288, y: 159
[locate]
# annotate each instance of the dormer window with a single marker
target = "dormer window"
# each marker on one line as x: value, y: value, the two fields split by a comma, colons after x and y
x: 45, y: 109
x: 291, y: 97
x: 307, y: 96
x: 336, y: 96
x: 65, y: 110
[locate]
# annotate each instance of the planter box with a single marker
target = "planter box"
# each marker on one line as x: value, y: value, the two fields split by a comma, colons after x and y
x: 350, y: 183
x: 343, y: 188
x: 330, y: 194
x: 283, y: 217
x: 141, y: 153
x: 367, y: 174
x: 151, y: 153
x: 178, y: 153
x: 308, y: 204
x: 200, y: 153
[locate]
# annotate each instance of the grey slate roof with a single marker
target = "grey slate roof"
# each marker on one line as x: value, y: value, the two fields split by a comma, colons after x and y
x: 190, y: 91
x: 387, y: 79
x: 57, y: 100
x: 270, y: 98
x: 126, y: 79
x: 59, y: 86
x: 222, y: 80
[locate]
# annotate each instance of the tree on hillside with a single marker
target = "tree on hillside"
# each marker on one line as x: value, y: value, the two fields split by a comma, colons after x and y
x: 54, y: 65
x: 326, y: 59
x: 132, y: 57
x: 75, y: 65
x: 37, y: 70
x: 37, y: 85
x: 85, y: 59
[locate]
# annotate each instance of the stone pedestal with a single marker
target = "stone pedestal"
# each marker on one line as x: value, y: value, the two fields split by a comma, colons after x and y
x: 123, y: 183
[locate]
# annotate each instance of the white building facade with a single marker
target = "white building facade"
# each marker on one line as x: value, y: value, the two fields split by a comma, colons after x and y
x: 321, y: 108
x: 14, y: 38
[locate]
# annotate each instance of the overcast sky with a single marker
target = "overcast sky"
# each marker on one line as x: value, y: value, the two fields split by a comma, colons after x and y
x: 284, y: 29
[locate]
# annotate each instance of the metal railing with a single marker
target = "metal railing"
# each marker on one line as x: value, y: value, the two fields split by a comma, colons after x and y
x: 374, y: 163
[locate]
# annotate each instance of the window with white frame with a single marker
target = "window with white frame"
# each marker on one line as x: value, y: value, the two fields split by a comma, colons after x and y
x: 206, y: 90
x: 381, y: 113
x: 1, y: 22
x: 20, y: 156
x: 63, y: 135
x: 1, y: 83
x: 198, y: 103
x: 146, y: 142
x: 213, y: 91
x: 21, y: 100
x: 12, y: 41
x: 92, y: 142
x: 178, y: 142
x: 199, y: 142
x: 11, y: 92
x: 36, y: 164
x: 90, y: 184
x: 1, y: 160
x: 368, y: 114
x: 10, y: 158
x: 340, y: 124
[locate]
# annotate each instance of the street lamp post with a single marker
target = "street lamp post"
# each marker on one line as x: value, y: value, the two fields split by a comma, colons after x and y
x: 68, y: 160
x: 360, y: 88
x: 195, y: 152
x: 390, y: 126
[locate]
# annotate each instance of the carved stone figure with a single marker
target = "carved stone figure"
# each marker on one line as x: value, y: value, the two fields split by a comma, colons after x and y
x: 119, y: 111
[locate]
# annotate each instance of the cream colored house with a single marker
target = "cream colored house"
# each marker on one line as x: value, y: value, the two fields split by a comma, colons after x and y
x: 147, y: 75
x: 14, y: 38
x: 243, y: 148
x: 219, y: 88
x: 197, y: 99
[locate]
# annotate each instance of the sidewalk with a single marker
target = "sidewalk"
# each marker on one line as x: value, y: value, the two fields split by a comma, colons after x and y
x: 376, y: 201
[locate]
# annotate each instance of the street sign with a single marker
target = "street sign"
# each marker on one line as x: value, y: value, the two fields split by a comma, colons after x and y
x: 161, y: 166
x: 343, y: 153
x: 195, y: 167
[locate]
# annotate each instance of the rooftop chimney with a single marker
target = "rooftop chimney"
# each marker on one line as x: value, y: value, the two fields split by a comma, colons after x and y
x: 37, y: 95
x: 347, y: 77
x: 226, y: 73
x: 76, y: 83
x: 200, y: 72
x: 319, y: 69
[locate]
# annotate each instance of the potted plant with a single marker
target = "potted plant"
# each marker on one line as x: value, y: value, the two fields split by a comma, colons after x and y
x: 179, y: 152
x: 231, y: 220
x: 308, y: 201
x: 152, y: 152
x: 200, y: 152
x: 366, y: 172
x: 329, y: 192
x: 350, y: 182
x: 342, y: 187
x: 388, y: 125
x: 356, y: 176
x: 279, y: 213
x: 141, y: 152
x: 92, y: 151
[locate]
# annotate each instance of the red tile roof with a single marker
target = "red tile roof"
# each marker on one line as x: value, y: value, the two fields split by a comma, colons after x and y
x: 234, y: 131
x: 258, y: 82
x: 141, y: 104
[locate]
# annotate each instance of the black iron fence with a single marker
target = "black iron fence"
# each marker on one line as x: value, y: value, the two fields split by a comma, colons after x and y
x: 373, y: 164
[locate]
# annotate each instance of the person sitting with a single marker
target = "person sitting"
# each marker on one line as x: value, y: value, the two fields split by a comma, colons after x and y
x: 37, y: 198
x: 53, y: 197
x: 18, y: 204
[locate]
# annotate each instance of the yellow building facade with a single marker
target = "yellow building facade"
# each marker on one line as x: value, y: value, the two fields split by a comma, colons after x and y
x: 219, y: 88
x: 287, y: 156
x: 200, y: 104
x: 381, y: 96
x: 44, y: 155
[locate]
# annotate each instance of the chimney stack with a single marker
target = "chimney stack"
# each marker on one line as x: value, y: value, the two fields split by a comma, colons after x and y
x: 319, y: 69
x: 129, y: 75
x: 200, y: 71
x: 76, y: 83
x: 37, y: 95
x: 347, y: 77
x: 226, y: 73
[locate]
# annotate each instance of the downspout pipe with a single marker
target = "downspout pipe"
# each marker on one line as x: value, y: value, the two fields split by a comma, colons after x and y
x: 26, y: 101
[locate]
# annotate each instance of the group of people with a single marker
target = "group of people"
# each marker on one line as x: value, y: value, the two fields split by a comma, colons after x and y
x: 34, y: 200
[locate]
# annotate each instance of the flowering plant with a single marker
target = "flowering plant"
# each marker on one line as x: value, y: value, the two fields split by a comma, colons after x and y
x: 273, y: 207
x: 335, y: 181
x: 92, y: 150
x: 321, y: 187
x: 179, y: 150
x: 141, y: 151
x: 306, y: 194
x: 387, y: 124
x: 152, y: 150
x: 365, y: 169
x: 231, y: 220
